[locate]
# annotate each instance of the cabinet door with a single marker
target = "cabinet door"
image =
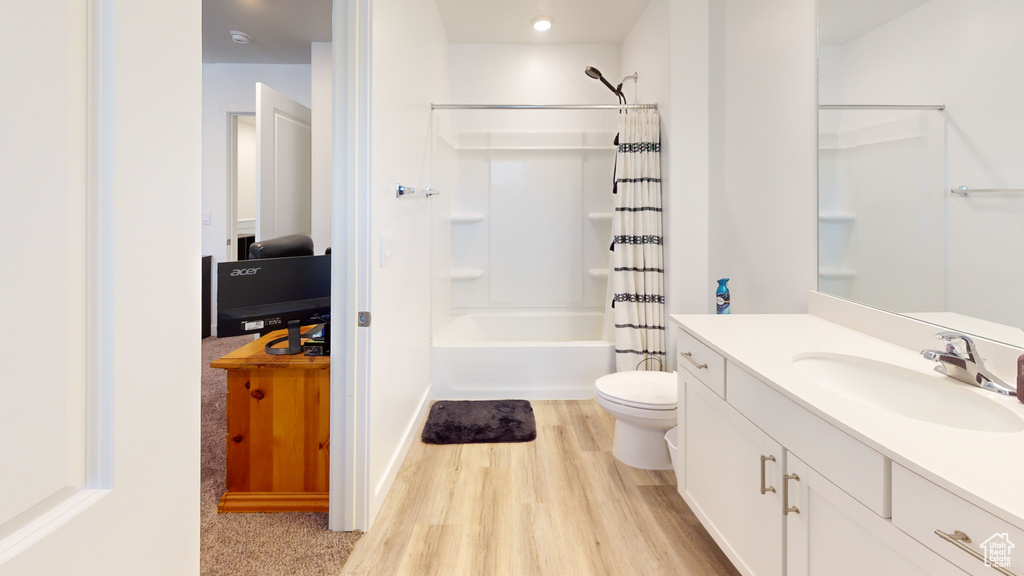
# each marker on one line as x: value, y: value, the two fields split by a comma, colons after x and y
x: 828, y: 533
x: 724, y: 482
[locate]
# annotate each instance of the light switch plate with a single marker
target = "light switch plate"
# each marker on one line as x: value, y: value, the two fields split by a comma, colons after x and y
x: 207, y: 217
x: 385, y: 249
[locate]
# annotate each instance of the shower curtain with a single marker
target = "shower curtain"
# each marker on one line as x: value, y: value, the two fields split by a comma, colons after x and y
x: 636, y: 311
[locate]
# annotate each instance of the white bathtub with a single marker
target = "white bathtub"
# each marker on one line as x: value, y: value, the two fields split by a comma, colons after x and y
x: 530, y: 356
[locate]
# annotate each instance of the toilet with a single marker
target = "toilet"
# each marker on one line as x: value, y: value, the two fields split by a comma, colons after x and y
x: 644, y: 407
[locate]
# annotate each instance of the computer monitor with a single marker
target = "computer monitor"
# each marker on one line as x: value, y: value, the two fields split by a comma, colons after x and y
x: 260, y: 296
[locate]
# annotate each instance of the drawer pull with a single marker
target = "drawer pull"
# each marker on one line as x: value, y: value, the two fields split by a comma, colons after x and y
x: 786, y: 508
x: 763, y: 460
x: 689, y: 356
x: 960, y: 540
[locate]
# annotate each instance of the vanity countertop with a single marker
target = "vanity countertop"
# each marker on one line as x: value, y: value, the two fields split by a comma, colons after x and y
x: 984, y: 468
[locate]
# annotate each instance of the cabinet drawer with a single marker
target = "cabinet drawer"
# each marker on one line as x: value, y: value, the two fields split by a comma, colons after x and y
x: 704, y: 363
x: 846, y: 462
x: 920, y: 507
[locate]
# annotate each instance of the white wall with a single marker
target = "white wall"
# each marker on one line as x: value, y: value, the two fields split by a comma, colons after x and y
x: 409, y: 71
x: 688, y: 132
x: 229, y: 88
x: 967, y: 56
x: 322, y: 121
x: 533, y: 74
x: 763, y: 146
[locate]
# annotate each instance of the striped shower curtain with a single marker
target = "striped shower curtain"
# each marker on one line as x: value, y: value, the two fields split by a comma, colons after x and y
x: 636, y: 274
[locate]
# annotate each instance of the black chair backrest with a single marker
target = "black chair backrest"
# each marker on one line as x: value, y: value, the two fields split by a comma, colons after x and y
x: 294, y: 245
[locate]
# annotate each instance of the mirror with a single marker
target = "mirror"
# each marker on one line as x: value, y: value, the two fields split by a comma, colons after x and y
x: 918, y: 98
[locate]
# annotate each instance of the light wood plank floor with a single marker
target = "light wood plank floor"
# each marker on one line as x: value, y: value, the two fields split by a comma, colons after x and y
x: 560, y: 505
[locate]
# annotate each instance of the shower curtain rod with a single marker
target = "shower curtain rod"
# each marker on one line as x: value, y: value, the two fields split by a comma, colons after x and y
x: 881, y: 107
x: 543, y: 106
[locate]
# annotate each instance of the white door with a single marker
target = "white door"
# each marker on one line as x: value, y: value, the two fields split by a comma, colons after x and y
x: 283, y: 176
x: 99, y: 433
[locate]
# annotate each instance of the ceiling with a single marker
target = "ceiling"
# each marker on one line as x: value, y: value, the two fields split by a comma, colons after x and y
x: 281, y: 30
x: 840, y: 21
x: 508, y: 21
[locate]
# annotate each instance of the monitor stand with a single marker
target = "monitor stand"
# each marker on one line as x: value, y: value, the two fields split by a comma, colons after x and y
x: 293, y: 338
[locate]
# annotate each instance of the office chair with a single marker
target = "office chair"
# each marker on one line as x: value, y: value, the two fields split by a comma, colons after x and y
x: 294, y: 245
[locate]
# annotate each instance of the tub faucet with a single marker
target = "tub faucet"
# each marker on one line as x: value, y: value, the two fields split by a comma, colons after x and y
x: 965, y: 365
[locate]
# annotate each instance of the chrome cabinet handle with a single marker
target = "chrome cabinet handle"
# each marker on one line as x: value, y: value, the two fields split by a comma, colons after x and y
x: 689, y: 356
x: 786, y: 508
x: 960, y: 540
x: 764, y: 459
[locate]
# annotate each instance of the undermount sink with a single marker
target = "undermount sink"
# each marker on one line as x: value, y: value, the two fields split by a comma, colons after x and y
x: 931, y: 398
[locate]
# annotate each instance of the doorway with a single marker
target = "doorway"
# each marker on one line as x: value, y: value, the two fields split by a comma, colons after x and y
x: 241, y: 224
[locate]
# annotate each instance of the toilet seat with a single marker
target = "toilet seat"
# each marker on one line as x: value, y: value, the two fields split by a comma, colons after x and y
x: 643, y: 405
x: 643, y: 390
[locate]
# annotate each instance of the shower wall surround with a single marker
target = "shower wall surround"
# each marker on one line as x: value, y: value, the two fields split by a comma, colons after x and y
x: 544, y: 229
x: 530, y: 221
x: 880, y: 207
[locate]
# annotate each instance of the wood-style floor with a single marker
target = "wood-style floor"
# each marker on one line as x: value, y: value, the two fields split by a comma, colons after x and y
x: 557, y: 506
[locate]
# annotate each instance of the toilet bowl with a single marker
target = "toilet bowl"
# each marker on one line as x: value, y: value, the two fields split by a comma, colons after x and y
x: 644, y: 407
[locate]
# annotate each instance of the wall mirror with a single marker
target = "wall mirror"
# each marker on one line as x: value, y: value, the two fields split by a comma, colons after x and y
x: 921, y: 160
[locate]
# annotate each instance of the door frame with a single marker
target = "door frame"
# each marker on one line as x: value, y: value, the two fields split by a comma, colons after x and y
x: 350, y: 268
x: 232, y: 211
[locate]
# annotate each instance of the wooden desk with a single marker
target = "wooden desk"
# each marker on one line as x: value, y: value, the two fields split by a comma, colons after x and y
x: 278, y: 439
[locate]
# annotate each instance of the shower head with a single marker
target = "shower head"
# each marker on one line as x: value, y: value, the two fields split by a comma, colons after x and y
x: 596, y: 75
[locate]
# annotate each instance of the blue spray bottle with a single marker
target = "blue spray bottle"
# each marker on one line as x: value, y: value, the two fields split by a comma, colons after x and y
x: 722, y: 297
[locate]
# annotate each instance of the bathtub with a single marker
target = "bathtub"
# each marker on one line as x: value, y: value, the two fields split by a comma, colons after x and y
x: 512, y: 355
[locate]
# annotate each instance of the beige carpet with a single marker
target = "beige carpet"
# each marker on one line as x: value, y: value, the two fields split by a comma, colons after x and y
x: 285, y: 544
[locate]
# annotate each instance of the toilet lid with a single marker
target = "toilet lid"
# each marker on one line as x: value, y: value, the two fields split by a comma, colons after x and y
x: 652, y: 390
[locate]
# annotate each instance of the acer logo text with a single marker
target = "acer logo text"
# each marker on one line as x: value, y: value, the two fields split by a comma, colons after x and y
x: 244, y: 271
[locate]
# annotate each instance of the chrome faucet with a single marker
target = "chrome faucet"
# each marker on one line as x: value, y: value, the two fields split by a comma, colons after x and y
x: 965, y: 365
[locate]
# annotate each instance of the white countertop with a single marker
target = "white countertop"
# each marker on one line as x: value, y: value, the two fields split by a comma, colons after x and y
x: 984, y: 468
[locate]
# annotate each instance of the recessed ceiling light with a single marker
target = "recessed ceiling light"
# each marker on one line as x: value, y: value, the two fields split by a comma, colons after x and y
x: 239, y: 37
x: 541, y: 24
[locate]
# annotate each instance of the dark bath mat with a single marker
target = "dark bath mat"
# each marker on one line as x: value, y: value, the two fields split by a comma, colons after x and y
x: 480, y: 421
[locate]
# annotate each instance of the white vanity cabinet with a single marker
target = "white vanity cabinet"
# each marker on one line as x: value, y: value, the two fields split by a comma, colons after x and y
x: 733, y: 470
x: 749, y: 453
x: 972, y: 537
x: 829, y: 533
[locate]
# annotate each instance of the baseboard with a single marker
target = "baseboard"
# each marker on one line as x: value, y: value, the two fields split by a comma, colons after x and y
x: 412, y: 433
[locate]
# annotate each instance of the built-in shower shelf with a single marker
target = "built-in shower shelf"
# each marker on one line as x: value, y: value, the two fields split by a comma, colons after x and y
x: 463, y: 274
x: 466, y: 217
x: 836, y: 216
x: 600, y: 216
x: 598, y: 272
x: 836, y: 272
